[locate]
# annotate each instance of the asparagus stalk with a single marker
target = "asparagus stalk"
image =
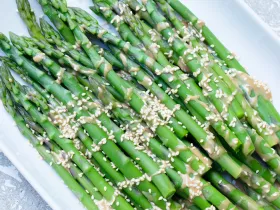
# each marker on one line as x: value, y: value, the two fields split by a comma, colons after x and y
x: 59, y: 24
x: 150, y: 47
x: 134, y: 99
x: 117, y: 177
x: 93, y: 129
x: 54, y: 38
x: 247, y: 170
x: 205, y: 78
x: 49, y: 50
x: 258, y: 198
x: 29, y: 18
x: 239, y: 123
x: 252, y: 162
x: 59, y: 155
x: 217, y: 125
x: 152, y: 33
x: 116, y: 130
x: 126, y: 33
x: 72, y: 15
x: 222, y: 160
x: 261, y: 186
x: 147, y: 42
x: 258, y: 168
x: 76, y: 173
x: 231, y: 192
x: 63, y: 95
x: 47, y: 33
x: 109, y: 57
x: 198, y: 132
x: 251, y: 115
x: 236, y: 106
x: 158, y: 39
x: 266, y: 108
x: 209, y: 36
x: 128, y: 117
x: 140, y: 11
x: 60, y: 170
x: 268, y: 154
x: 172, y: 80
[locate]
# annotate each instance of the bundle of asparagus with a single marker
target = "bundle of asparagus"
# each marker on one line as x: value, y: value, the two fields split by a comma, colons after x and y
x: 161, y: 116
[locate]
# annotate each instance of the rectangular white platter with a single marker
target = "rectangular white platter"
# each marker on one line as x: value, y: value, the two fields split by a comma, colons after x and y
x: 232, y: 21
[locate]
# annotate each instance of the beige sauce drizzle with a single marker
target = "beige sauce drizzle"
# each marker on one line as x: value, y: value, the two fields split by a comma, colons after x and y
x: 161, y: 26
x: 107, y: 69
x: 253, y: 84
x: 146, y: 82
x: 39, y: 57
x: 103, y: 204
x: 224, y: 205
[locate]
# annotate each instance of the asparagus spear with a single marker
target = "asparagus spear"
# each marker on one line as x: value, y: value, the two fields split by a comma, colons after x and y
x: 134, y: 99
x: 267, y: 153
x: 63, y: 173
x: 59, y: 155
x: 147, y: 42
x: 240, y: 126
x: 76, y: 173
x: 230, y: 191
x: 47, y: 33
x: 152, y: 33
x: 232, y: 171
x: 116, y: 130
x: 59, y: 24
x: 172, y: 80
x: 49, y: 50
x: 135, y: 195
x: 126, y: 33
x: 198, y: 132
x: 236, y: 106
x: 261, y: 186
x: 209, y: 36
x: 251, y: 114
x: 63, y: 95
x: 158, y: 39
x: 54, y: 38
x: 258, y: 167
x: 205, y: 78
x: 266, y: 108
x: 29, y: 18
x: 144, y: 185
x: 258, y: 198
x: 128, y: 118
x: 35, y: 100
x: 245, y: 173
x: 250, y: 162
x: 216, y: 125
x: 118, y: 21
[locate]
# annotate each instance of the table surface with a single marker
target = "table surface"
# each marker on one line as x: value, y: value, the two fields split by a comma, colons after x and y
x: 17, y: 194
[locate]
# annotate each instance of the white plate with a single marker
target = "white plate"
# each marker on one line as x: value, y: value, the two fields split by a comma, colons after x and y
x: 231, y: 20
